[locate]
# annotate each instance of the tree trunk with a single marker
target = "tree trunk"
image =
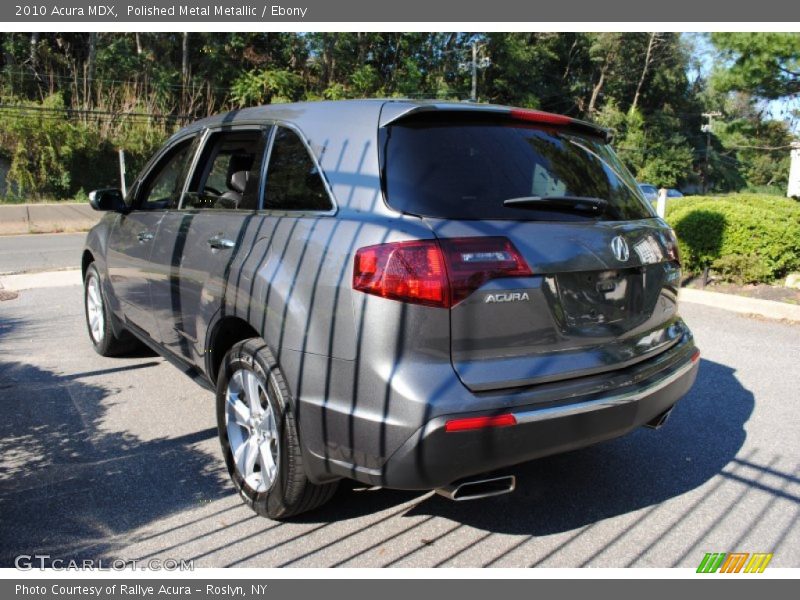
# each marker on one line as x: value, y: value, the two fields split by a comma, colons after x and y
x: 8, y: 56
x: 648, y: 59
x: 569, y: 58
x: 185, y: 58
x: 597, y: 88
x: 329, y: 58
x: 396, y: 60
x: 138, y: 44
x: 89, y: 70
x: 361, y: 38
x: 184, y: 71
x: 34, y: 55
x: 294, y: 57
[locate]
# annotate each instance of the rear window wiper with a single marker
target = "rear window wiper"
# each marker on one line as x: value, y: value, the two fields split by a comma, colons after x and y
x: 567, y: 203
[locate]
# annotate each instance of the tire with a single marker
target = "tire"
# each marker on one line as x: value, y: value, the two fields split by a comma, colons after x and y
x: 98, y: 318
x: 263, y: 436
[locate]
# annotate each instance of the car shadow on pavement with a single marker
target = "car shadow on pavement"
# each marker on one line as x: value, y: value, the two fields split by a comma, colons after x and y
x: 72, y: 489
x: 573, y: 490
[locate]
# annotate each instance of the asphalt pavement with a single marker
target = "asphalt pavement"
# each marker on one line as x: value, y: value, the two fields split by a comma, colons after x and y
x: 40, y: 252
x: 118, y: 458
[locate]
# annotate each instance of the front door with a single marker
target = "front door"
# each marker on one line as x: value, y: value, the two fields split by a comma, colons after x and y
x: 132, y: 237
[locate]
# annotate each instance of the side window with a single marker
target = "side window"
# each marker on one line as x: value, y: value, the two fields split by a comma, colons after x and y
x: 293, y: 180
x: 227, y: 173
x: 163, y: 185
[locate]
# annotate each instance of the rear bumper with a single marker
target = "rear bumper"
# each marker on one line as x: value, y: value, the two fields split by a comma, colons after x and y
x: 432, y: 457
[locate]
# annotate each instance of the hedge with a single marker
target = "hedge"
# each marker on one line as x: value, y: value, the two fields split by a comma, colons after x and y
x: 744, y: 238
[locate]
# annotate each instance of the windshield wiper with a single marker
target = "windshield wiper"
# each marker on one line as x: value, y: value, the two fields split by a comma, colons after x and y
x: 566, y: 203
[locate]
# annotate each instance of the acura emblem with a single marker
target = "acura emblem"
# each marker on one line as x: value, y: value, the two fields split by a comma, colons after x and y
x: 620, y: 249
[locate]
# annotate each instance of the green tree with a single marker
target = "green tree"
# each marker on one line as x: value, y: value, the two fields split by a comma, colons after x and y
x: 764, y: 64
x: 140, y: 87
x: 266, y: 86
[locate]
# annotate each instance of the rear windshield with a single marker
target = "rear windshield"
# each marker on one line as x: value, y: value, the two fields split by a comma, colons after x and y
x: 465, y: 169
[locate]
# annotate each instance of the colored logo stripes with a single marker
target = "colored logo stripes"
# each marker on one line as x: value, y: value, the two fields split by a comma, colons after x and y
x: 734, y: 562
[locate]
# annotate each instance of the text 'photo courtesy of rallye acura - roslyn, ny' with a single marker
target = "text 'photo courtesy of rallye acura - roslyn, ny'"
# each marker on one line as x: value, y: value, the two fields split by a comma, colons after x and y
x: 414, y: 295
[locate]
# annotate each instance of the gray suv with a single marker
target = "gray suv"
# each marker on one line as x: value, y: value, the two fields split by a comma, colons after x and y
x: 415, y: 295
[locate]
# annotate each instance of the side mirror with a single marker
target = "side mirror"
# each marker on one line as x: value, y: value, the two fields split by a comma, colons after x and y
x: 110, y: 199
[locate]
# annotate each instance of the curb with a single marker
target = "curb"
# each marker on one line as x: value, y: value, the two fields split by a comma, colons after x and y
x: 46, y: 218
x: 741, y: 304
x: 46, y: 279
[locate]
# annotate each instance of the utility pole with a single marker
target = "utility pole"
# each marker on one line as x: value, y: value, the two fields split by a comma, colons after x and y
x: 707, y: 129
x: 793, y: 191
x: 474, y: 95
x: 123, y: 185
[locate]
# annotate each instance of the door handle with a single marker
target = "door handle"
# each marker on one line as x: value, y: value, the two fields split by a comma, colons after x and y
x: 220, y: 243
x: 145, y: 236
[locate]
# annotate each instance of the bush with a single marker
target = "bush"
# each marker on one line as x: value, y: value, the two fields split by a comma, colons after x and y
x: 768, y: 190
x: 40, y: 147
x: 55, y: 156
x: 741, y: 269
x: 745, y: 238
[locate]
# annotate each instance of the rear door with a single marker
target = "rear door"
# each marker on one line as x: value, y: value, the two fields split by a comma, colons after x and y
x: 602, y: 288
x: 200, y: 240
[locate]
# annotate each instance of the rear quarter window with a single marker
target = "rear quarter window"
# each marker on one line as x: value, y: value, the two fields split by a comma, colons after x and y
x: 293, y: 181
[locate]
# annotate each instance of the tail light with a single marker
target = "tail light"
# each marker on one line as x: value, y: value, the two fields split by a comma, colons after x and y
x: 435, y: 272
x: 471, y: 262
x: 410, y: 271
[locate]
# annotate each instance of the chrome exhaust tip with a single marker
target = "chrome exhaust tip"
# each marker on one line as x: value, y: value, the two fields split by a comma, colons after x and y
x: 474, y: 489
x: 658, y: 422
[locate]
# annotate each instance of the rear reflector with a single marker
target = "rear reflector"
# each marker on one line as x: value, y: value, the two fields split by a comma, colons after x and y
x: 480, y: 423
x: 537, y: 116
x: 435, y: 272
x: 696, y: 356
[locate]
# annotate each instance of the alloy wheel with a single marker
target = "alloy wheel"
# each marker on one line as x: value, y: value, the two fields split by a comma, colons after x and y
x: 252, y: 430
x: 94, y: 309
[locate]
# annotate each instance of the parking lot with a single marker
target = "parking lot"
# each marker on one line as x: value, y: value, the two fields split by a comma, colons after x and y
x: 103, y: 458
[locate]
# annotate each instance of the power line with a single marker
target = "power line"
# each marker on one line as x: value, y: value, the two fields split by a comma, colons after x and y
x: 93, y: 112
x: 786, y: 147
x: 23, y: 73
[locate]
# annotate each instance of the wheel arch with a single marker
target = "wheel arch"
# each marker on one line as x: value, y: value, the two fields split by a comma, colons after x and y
x: 86, y: 260
x: 226, y: 332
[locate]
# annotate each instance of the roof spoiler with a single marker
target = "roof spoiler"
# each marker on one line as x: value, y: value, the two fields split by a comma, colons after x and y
x: 518, y: 114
